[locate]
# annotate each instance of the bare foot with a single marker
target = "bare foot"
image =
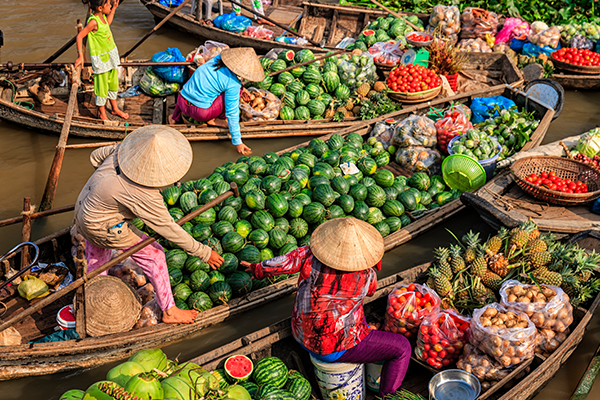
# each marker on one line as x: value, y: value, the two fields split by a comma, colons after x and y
x: 120, y: 113
x: 103, y: 117
x: 171, y: 120
x: 175, y: 315
x: 218, y: 122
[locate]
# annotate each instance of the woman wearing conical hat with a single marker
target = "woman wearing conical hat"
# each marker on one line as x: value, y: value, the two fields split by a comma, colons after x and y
x: 336, y: 274
x: 125, y: 186
x: 213, y: 92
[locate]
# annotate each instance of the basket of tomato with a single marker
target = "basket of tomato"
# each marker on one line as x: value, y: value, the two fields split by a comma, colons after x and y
x: 413, y: 84
x: 442, y: 336
x: 557, y: 180
x: 577, y: 60
x: 407, y: 306
x: 419, y: 39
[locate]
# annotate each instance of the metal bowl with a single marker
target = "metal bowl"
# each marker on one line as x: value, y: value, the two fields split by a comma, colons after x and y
x: 454, y: 384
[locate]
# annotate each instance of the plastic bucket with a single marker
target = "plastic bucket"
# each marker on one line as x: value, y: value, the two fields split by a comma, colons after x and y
x: 66, y: 318
x: 373, y: 375
x: 488, y: 165
x: 340, y: 380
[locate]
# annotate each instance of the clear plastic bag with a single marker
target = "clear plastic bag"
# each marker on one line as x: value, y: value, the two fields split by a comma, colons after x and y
x: 153, y: 85
x: 387, y: 53
x: 581, y: 42
x: 273, y: 53
x: 415, y: 130
x: 442, y: 336
x: 151, y: 314
x: 259, y: 32
x: 419, y: 159
x: 357, y: 69
x: 548, y: 308
x: 408, y: 306
x: 549, y: 37
x: 10, y: 337
x: 169, y: 74
x: 548, y: 341
x: 474, y: 45
x: 206, y: 52
x: 513, y: 28
x: 480, y: 364
x: 146, y: 293
x: 384, y: 133
x: 263, y: 106
x: 32, y: 288
x: 509, y: 337
x: 455, y: 122
x: 477, y: 22
x: 446, y: 20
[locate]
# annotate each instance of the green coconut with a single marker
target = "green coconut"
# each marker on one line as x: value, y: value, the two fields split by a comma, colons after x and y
x: 124, y: 371
x: 213, y: 383
x: 189, y: 372
x: 238, y: 392
x: 94, y: 393
x: 175, y: 387
x: 146, y: 386
x: 74, y: 394
x: 150, y: 358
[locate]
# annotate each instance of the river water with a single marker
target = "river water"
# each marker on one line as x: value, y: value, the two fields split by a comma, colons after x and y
x: 34, y: 30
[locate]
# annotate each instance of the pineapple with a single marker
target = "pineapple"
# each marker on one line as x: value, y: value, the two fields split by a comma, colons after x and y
x: 364, y: 89
x: 379, y: 86
x: 441, y: 284
x: 545, y: 277
x: 460, y: 289
x: 430, y: 282
x: 540, y: 259
x: 350, y: 105
x: 518, y: 238
x: 371, y: 93
x: 537, y: 246
x: 498, y: 264
x: 479, y: 291
x: 531, y: 228
x: 492, y: 280
x: 494, y: 244
x: 342, y: 110
x: 479, y: 266
x: 471, y: 240
x: 329, y: 113
x: 349, y: 114
x: 456, y: 261
x: 356, y: 110
x: 442, y: 255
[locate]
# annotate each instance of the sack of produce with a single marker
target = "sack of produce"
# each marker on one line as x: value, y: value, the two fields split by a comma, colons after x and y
x: 488, y: 107
x: 480, y: 364
x: 454, y: 122
x: 32, y: 288
x: 446, y: 21
x: 419, y: 159
x: 548, y: 341
x: 146, y: 293
x: 206, y: 52
x: 546, y: 306
x: 442, y: 336
x: 508, y: 336
x: 169, y: 74
x: 153, y: 85
x: 477, y: 22
x: 415, y: 130
x: 259, y: 32
x: 581, y: 42
x: 151, y: 314
x: 384, y: 133
x: 259, y: 105
x: 387, y: 53
x: 232, y: 22
x: 476, y: 45
x: 356, y: 69
x: 407, y: 307
x: 513, y: 28
x: 589, y: 143
x: 533, y: 50
x: 543, y: 36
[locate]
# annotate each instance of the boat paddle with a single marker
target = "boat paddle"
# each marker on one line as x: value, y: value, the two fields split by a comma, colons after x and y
x: 395, y: 14
x: 119, y: 259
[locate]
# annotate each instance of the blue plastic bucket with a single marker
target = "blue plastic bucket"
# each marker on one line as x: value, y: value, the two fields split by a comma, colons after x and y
x: 340, y: 380
x: 488, y: 165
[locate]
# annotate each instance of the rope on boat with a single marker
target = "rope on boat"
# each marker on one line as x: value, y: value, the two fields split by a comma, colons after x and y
x: 29, y: 105
x: 26, y: 213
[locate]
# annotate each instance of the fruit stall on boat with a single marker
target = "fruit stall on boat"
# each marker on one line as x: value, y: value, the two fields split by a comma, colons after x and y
x: 269, y: 363
x: 256, y: 224
x: 502, y: 201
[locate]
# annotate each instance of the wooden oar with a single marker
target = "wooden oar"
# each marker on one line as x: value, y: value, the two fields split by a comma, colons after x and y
x: 120, y: 258
x: 10, y: 64
x: 161, y: 23
x: 273, y: 22
x: 308, y: 62
x: 395, y: 14
x: 70, y: 43
x: 587, y: 380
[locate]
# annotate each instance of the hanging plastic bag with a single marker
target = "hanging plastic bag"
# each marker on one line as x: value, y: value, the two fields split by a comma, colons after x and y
x: 477, y: 22
x: 533, y: 50
x: 474, y: 45
x: 386, y: 53
x: 509, y: 337
x: 446, y: 20
x: 357, y: 69
x: 546, y: 306
x: 407, y: 307
x: 32, y: 288
x: 442, y: 336
x: 232, y: 22
x: 206, y: 52
x: 455, y: 122
x: 169, y: 74
x: 259, y: 32
x: 419, y: 159
x: 415, y: 130
x: 153, y: 85
x: 513, y: 28
x: 486, y: 107
x: 262, y: 105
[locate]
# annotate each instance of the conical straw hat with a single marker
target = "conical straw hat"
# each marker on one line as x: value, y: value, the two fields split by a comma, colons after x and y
x: 155, y: 156
x: 111, y: 306
x: 347, y: 244
x: 243, y: 62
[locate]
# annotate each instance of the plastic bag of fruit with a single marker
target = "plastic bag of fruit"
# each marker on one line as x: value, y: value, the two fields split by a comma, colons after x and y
x: 548, y: 341
x: 546, y: 306
x: 509, y: 337
x: 512, y: 28
x: 474, y: 45
x: 442, y: 336
x: 407, y: 307
x: 386, y: 53
x: 206, y: 52
x: 259, y: 105
x: 445, y: 20
x: 419, y: 159
x: 455, y: 122
x: 581, y: 42
x: 543, y: 36
x: 356, y: 69
x: 480, y: 364
x: 151, y: 314
x: 383, y: 131
x: 416, y: 130
x: 259, y: 32
x: 476, y: 22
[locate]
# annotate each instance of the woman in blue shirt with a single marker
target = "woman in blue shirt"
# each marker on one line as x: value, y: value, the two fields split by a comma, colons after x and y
x: 213, y: 92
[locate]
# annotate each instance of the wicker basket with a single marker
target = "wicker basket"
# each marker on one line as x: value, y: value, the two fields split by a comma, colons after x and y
x: 417, y: 97
x: 564, y: 168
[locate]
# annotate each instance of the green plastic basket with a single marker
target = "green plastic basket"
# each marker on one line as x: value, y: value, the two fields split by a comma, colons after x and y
x: 463, y: 173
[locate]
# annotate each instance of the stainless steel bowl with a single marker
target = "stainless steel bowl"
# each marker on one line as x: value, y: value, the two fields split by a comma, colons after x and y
x: 454, y: 384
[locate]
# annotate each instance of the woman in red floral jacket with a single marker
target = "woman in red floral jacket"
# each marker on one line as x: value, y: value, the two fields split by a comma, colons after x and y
x: 336, y: 275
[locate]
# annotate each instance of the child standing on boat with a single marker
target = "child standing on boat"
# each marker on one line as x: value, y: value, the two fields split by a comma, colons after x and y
x: 103, y: 53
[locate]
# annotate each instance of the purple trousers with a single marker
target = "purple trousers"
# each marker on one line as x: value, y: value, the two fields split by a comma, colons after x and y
x: 392, y: 348
x: 216, y: 110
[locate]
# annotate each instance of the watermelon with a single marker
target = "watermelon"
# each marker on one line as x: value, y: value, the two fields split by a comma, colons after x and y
x: 208, y: 217
x: 340, y: 185
x: 240, y: 283
x: 249, y: 254
x: 384, y: 178
x: 182, y: 305
x: 175, y: 276
x: 219, y: 374
x: 188, y: 227
x: 342, y: 92
x: 232, y: 241
x: 331, y: 157
x: 367, y: 165
x: 276, y: 204
x: 278, y: 65
x: 230, y: 264
x: 262, y: 220
x: 324, y: 194
x: 188, y: 186
x: 266, y: 83
x: 243, y: 227
x: 277, y: 89
x: 375, y: 215
x: 206, y: 196
x: 425, y: 199
x: 238, y: 176
x: 270, y: 370
x: 335, y: 211
x: 286, y: 55
x: 346, y: 202
x: 292, y: 187
x: 361, y: 210
x: 286, y: 161
x: 298, y: 71
x: 289, y: 100
x: 331, y: 81
x: 358, y: 192
x: 270, y: 184
x: 368, y: 181
x: 302, y: 114
x: 285, y: 78
x: 394, y: 223
x: 317, y: 180
x: 324, y: 169
x: 238, y: 368
x: 326, y: 99
x: 288, y: 247
x: 220, y: 292
x: 251, y: 387
x: 302, y: 98
x: 259, y: 238
x: 383, y: 228
x: 214, y: 244
x: 181, y: 292
x: 199, y: 301
x: 312, y: 76
x: 408, y: 200
x: 221, y: 228
x: 199, y: 281
x: 330, y: 67
x: 313, y: 90
x: 255, y: 200
x: 176, y: 258
x: 375, y: 196
x: 286, y: 113
x: 277, y: 238
x: 193, y: 264
x: 304, y: 55
x: 215, y: 177
x: 303, y: 198
x: 295, y: 87
x: 392, y: 208
x: 313, y: 213
x: 265, y: 254
x: 420, y: 181
x: 228, y: 214
x: 391, y: 193
x: 352, y: 179
x: 443, y: 198
x: 188, y: 201
x: 281, y: 172
x: 335, y: 142
x: 382, y: 159
x: 295, y: 208
x: 299, y: 387
x: 171, y: 195
x: 266, y: 63
x: 307, y: 159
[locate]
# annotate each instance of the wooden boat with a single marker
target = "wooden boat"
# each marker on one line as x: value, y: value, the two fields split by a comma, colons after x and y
x: 326, y: 24
x: 577, y: 82
x: 48, y: 358
x: 523, y: 383
x: 502, y: 202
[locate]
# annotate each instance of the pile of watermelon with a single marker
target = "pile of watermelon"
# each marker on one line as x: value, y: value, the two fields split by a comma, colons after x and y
x: 282, y: 200
x: 386, y: 29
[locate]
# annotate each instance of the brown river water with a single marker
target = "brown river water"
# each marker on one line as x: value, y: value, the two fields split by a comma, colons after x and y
x: 33, y: 30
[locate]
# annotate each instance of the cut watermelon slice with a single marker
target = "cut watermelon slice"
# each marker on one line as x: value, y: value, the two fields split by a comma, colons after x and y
x: 238, y: 368
x: 368, y: 32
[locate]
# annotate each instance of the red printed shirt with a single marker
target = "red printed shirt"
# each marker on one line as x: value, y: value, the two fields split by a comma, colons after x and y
x: 328, y: 315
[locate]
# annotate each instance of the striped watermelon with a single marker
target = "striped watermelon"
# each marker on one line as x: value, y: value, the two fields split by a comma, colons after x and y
x: 234, y: 202
x: 303, y: 198
x: 176, y: 213
x: 311, y: 76
x: 277, y: 89
x: 300, y: 175
x: 270, y: 370
x: 222, y: 187
x: 307, y: 159
x: 255, y: 200
x: 240, y: 283
x: 228, y: 214
x: 326, y: 99
x: 331, y: 157
x: 286, y: 113
x: 299, y: 387
x: 278, y: 65
x: 367, y: 165
x: 346, y: 202
x: 171, y: 195
x: 383, y: 228
x: 259, y: 238
x: 335, y: 142
x: 302, y: 113
x: 216, y: 276
x: 313, y: 213
x: 298, y: 71
x: 266, y: 63
x: 291, y: 187
x: 295, y: 86
x: 249, y: 254
x: 331, y: 81
x: 237, y: 175
x: 334, y: 211
x: 206, y: 196
x: 286, y: 55
x: 330, y: 67
x: 175, y: 276
x: 199, y: 281
x: 262, y: 220
x: 304, y: 55
x: 302, y: 98
x: 176, y: 258
x: 317, y: 180
x: 230, y: 264
x: 384, y: 178
x: 391, y: 193
x: 368, y: 181
x: 266, y: 83
x: 392, y: 208
x: 393, y: 223
x: 181, y: 292
x: 375, y: 215
x: 203, y: 184
x: 214, y: 244
x: 201, y: 232
x: 199, y: 301
x: 342, y: 92
x: 277, y: 238
x: 361, y: 210
x: 285, y: 78
x: 324, y: 169
x: 324, y: 194
x: 220, y: 292
x: 188, y: 201
x: 358, y: 192
x: 340, y: 184
x: 270, y: 184
x: 280, y: 171
x: 265, y: 254
x: 276, y: 204
x: 313, y: 90
x: 316, y: 108
x: 288, y: 247
x: 221, y: 228
x: 243, y: 227
x: 289, y: 99
x: 295, y: 208
x: 375, y: 196
x: 232, y: 242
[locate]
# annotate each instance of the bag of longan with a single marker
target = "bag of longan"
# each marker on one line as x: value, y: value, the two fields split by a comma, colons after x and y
x: 508, y: 336
x: 546, y: 306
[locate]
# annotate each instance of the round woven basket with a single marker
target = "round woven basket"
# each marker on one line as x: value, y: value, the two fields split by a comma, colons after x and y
x: 582, y: 69
x: 564, y: 168
x: 418, y: 97
x: 111, y: 306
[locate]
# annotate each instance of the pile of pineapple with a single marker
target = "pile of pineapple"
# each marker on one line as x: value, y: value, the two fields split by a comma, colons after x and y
x: 468, y: 275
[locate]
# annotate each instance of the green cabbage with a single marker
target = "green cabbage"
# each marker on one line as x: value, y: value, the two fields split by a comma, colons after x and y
x: 589, y: 143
